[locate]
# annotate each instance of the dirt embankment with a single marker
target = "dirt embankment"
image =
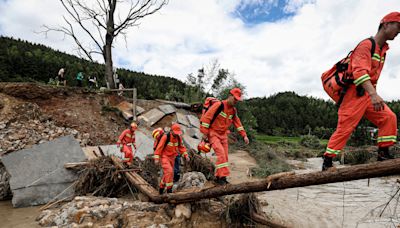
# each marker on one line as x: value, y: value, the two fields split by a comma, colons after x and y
x: 87, y: 113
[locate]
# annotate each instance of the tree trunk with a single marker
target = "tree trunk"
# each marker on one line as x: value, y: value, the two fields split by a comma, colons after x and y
x: 137, y: 181
x: 108, y: 46
x: 378, y: 169
x: 109, y: 65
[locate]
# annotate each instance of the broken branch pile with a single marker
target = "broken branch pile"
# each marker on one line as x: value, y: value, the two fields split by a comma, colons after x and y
x: 100, y: 178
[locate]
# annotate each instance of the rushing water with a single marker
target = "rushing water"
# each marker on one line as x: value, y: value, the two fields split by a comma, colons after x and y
x: 347, y: 204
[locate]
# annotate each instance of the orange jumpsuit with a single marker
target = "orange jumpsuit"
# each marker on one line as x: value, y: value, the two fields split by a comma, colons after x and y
x: 126, y: 142
x: 354, y: 107
x: 218, y: 133
x: 167, y: 153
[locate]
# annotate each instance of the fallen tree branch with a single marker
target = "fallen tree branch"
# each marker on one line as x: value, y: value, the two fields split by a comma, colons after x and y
x: 75, y: 165
x: 275, y: 182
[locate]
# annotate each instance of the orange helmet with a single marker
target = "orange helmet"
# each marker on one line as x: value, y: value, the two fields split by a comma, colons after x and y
x: 157, y: 132
x: 204, y: 147
x: 133, y: 125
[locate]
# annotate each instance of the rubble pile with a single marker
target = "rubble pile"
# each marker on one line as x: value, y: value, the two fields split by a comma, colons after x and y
x: 89, y: 211
x: 31, y: 127
x: 105, y: 212
x: 5, y: 191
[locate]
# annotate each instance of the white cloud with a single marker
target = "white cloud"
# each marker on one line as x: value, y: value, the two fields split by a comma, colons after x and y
x: 267, y: 58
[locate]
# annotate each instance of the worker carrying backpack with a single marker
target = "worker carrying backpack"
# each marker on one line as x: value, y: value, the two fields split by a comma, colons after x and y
x: 209, y: 101
x: 158, y: 134
x: 337, y: 79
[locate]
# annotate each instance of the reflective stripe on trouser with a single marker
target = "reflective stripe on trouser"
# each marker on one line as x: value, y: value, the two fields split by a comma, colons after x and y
x: 167, y: 164
x: 219, y: 142
x: 352, y: 109
x: 127, y: 150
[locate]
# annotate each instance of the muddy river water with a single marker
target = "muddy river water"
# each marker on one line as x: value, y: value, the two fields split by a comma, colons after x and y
x: 347, y: 204
x: 17, y: 217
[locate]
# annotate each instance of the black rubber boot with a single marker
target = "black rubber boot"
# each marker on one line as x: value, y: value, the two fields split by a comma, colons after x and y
x: 327, y: 163
x: 161, y: 191
x: 169, y: 190
x: 384, y: 154
x: 221, y: 181
x: 225, y: 180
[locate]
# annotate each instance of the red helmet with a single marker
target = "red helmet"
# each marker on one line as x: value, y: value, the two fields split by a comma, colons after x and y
x: 157, y: 132
x: 204, y: 147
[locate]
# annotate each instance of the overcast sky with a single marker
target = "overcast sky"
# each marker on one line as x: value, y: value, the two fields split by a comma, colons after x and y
x: 271, y: 45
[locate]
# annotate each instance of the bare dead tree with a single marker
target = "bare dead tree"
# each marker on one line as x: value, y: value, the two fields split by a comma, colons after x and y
x: 96, y: 21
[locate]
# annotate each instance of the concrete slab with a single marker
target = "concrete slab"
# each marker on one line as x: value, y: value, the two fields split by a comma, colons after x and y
x: 151, y: 117
x: 91, y: 152
x: 181, y: 119
x: 194, y: 132
x: 126, y: 109
x: 176, y: 104
x: 144, y: 144
x: 167, y: 109
x: 38, y: 174
x: 190, y: 143
x: 193, y: 120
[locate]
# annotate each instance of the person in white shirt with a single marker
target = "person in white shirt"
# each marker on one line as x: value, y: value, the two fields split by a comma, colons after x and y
x: 61, y: 77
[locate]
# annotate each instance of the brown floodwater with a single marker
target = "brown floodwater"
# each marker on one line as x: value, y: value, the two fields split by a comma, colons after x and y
x: 359, y: 203
x: 11, y: 217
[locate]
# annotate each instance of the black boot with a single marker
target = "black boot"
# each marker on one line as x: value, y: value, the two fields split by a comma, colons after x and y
x: 384, y: 154
x: 225, y: 180
x: 327, y: 163
x: 221, y: 181
x: 169, y: 190
x: 161, y: 191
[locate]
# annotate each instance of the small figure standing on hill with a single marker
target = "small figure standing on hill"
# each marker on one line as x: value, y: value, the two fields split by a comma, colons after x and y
x: 92, y: 82
x: 121, y: 86
x: 214, y: 126
x: 126, y: 143
x: 79, y: 78
x: 61, y: 77
x: 361, y: 98
x: 166, y: 150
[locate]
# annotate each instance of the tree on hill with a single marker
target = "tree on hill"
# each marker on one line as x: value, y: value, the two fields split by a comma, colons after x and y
x: 97, y: 20
x: 210, y: 80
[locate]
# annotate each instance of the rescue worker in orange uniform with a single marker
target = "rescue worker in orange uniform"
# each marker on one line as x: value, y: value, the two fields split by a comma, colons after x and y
x: 361, y: 98
x: 217, y: 132
x: 167, y: 149
x: 126, y: 143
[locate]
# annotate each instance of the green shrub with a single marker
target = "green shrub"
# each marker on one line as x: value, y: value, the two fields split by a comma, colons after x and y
x: 310, y: 141
x: 358, y: 156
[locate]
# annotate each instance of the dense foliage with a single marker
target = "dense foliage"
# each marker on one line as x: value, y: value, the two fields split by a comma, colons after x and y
x: 292, y: 115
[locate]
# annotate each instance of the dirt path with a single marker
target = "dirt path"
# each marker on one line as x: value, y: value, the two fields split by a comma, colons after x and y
x: 241, y: 163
